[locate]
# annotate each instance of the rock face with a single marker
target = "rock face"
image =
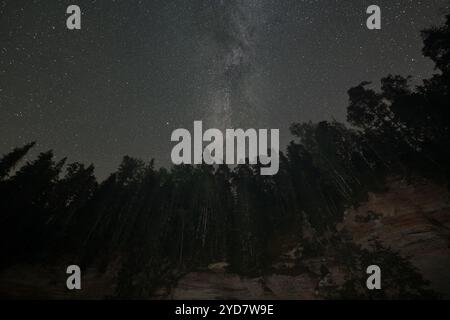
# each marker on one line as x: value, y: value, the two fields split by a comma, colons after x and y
x: 413, y: 219
x: 410, y: 218
x: 214, y: 286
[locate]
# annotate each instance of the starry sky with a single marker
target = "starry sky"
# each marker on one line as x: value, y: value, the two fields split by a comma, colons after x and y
x: 137, y: 70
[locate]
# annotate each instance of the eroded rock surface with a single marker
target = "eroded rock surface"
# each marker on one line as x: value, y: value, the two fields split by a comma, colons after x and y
x: 410, y: 218
x: 413, y: 219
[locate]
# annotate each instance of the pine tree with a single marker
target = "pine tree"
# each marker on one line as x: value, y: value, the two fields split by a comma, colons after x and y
x: 10, y: 160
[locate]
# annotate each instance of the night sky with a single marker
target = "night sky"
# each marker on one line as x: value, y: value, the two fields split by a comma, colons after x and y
x: 137, y: 70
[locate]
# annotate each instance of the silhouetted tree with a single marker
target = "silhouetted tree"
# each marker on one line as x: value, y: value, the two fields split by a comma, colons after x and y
x: 10, y: 160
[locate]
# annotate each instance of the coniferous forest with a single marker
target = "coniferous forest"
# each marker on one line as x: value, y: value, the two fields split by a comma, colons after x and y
x: 157, y: 224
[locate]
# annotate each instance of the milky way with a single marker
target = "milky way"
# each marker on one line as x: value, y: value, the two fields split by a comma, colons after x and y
x: 231, y: 30
x: 137, y: 70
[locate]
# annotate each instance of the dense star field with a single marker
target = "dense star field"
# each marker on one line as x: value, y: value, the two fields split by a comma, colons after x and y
x: 137, y: 70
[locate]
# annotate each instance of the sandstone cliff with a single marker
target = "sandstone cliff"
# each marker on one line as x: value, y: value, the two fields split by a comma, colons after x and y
x: 412, y: 218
